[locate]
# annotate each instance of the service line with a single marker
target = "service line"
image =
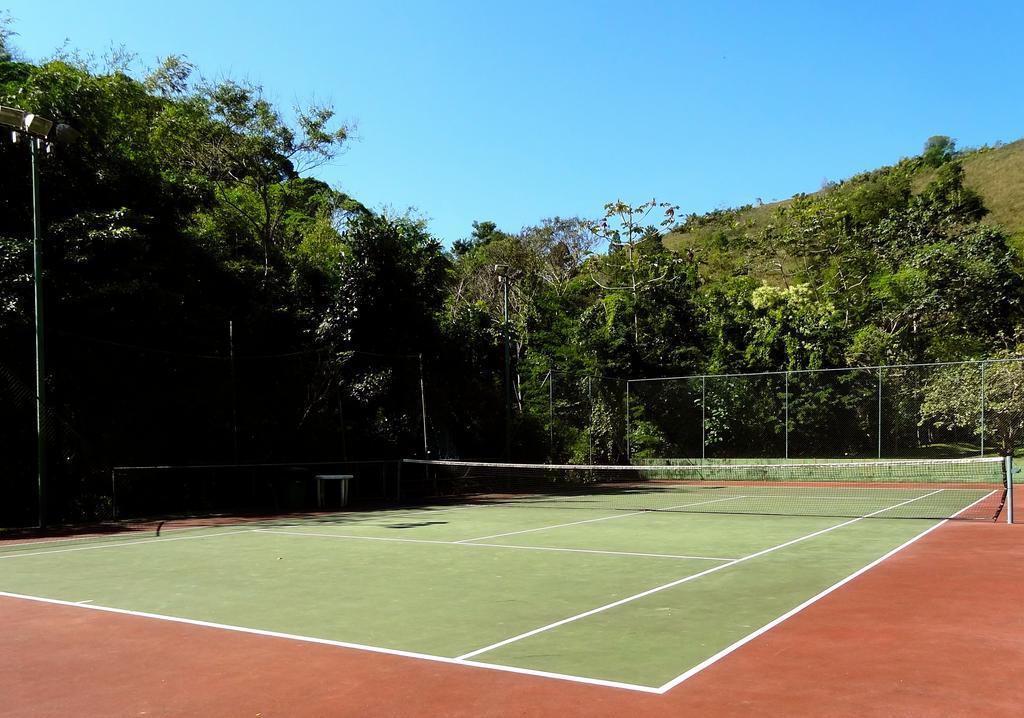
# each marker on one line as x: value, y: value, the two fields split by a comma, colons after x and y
x: 488, y: 545
x: 602, y: 518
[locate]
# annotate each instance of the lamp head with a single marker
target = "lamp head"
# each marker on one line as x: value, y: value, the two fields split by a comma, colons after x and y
x: 38, y: 126
x: 12, y: 117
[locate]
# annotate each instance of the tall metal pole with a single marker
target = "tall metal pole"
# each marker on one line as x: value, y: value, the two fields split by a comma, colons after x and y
x: 234, y: 391
x: 37, y: 276
x: 423, y: 410
x: 508, y: 372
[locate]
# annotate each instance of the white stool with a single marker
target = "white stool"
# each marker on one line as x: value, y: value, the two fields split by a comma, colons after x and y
x: 343, y: 480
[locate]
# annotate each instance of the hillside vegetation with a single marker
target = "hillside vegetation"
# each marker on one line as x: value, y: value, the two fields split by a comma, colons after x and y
x: 996, y: 174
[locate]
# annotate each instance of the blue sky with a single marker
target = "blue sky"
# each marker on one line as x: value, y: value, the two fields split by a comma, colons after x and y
x: 513, y: 112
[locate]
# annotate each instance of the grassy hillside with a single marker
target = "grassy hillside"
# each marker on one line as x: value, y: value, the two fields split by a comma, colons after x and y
x: 996, y: 173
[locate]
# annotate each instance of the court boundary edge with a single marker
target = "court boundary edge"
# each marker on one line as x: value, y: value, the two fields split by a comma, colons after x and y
x: 337, y: 644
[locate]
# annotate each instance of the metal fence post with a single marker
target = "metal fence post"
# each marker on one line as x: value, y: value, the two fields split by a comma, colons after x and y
x: 786, y: 431
x: 983, y: 408
x: 879, y: 412
x: 590, y: 422
x: 551, y: 415
x: 113, y: 493
x: 703, y: 419
x: 629, y: 449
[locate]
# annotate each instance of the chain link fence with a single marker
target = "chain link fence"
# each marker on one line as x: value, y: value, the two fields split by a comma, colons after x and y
x: 114, y: 405
x: 580, y: 417
x: 942, y: 410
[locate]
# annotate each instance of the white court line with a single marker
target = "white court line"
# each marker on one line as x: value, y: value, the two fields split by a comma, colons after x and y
x: 814, y: 599
x: 339, y: 644
x: 685, y: 579
x: 349, y: 536
x: 598, y: 551
x: 865, y: 499
x: 489, y: 545
x: 123, y: 543
x: 602, y: 518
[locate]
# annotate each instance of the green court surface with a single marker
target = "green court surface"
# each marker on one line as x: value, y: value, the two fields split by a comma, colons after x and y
x: 633, y: 598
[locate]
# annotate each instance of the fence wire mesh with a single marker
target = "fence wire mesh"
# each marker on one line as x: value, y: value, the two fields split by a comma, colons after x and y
x: 114, y: 405
x: 111, y: 404
x: 580, y: 418
x: 946, y: 410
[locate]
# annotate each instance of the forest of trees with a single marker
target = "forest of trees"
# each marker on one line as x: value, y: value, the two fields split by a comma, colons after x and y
x: 188, y: 206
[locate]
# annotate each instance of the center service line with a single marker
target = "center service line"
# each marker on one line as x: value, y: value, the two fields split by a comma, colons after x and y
x: 602, y: 518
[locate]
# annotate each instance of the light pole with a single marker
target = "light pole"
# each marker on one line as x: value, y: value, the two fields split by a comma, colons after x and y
x: 38, y: 132
x: 502, y: 271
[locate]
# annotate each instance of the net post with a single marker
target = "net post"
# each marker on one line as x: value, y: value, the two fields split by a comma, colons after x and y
x: 1008, y: 463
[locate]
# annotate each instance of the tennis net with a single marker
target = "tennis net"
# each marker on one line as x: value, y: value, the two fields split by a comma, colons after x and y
x: 974, y: 488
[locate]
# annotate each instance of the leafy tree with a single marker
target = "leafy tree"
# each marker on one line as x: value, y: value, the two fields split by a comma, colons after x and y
x: 483, y: 233
x: 792, y: 329
x: 227, y: 137
x: 953, y: 399
x: 623, y: 229
x: 938, y: 150
x: 563, y: 246
x: 645, y: 319
x: 7, y: 50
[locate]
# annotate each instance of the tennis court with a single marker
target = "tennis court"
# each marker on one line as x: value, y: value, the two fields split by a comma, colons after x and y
x: 635, y: 579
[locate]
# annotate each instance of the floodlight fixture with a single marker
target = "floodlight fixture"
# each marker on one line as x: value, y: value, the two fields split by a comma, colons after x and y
x: 12, y: 117
x: 37, y: 126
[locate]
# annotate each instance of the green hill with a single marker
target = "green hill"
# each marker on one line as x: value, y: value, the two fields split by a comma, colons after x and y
x: 725, y: 238
x: 997, y: 174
